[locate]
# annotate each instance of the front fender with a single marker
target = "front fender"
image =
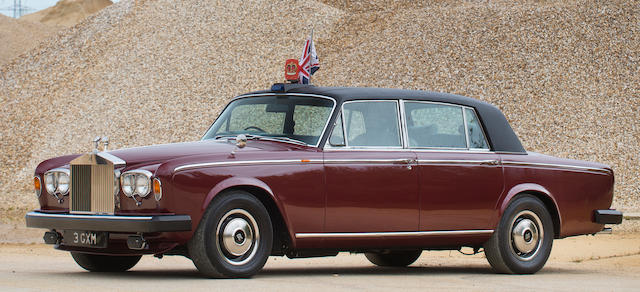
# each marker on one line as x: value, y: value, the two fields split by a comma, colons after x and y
x: 234, y: 182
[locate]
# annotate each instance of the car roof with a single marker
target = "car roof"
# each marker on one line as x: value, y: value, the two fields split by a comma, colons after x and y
x: 500, y: 134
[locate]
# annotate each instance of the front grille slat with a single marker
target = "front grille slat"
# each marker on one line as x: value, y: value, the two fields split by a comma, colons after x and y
x: 81, y: 188
x: 92, y: 185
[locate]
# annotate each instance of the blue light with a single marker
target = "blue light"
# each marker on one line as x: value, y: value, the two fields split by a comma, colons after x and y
x: 277, y: 87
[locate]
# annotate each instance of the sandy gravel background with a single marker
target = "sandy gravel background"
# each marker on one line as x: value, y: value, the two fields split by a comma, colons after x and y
x: 585, y: 263
x: 566, y: 73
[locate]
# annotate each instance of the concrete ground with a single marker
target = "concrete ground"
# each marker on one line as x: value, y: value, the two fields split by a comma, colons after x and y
x: 584, y: 263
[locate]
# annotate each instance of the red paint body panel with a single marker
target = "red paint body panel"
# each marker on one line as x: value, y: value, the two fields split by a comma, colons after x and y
x: 370, y: 197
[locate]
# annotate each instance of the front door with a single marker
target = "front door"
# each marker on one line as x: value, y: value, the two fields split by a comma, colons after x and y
x: 371, y: 181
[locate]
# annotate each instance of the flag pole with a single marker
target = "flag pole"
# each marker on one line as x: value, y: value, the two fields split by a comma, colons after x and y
x: 310, y: 46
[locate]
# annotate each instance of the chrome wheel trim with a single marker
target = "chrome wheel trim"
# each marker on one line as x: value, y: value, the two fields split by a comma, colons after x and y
x: 237, y: 237
x: 526, y: 234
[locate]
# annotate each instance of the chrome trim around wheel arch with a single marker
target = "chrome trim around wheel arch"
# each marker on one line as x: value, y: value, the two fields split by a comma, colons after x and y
x: 394, y: 234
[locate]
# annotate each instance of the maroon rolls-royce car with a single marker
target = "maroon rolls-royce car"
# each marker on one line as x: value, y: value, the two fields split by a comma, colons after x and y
x: 306, y: 171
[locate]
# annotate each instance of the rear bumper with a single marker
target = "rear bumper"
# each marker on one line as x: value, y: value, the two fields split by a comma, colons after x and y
x: 112, y: 223
x: 607, y: 216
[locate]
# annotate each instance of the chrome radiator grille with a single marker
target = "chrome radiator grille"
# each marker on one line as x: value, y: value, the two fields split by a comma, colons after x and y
x: 81, y: 188
x: 92, y: 185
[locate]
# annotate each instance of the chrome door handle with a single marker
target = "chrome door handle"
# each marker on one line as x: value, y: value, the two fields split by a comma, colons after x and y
x: 490, y: 162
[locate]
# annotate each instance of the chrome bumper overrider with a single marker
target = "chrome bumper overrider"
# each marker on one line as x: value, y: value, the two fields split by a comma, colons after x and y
x: 112, y: 223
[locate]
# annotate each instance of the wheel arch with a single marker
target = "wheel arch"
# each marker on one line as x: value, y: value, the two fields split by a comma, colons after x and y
x: 282, y: 235
x: 543, y: 195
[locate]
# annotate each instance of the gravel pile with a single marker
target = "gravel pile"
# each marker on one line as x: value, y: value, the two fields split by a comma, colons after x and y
x: 147, y: 72
x: 18, y: 36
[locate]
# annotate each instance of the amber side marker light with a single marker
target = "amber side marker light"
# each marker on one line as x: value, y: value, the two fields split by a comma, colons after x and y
x: 305, y: 160
x: 157, y: 189
x: 37, y: 186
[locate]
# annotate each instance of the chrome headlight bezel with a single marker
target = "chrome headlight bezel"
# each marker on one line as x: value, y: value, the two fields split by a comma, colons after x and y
x: 136, y: 182
x: 52, y: 181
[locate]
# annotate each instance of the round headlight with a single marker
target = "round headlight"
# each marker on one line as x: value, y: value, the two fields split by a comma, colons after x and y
x: 142, y: 185
x: 50, y: 182
x: 128, y: 184
x: 63, y: 183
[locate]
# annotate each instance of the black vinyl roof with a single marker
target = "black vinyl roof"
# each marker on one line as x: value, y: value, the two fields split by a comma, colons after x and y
x: 500, y: 134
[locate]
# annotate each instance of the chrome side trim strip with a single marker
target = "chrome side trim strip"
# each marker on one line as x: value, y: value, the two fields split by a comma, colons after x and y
x: 75, y: 216
x: 367, y: 161
x: 558, y: 166
x: 445, y: 161
x: 249, y: 162
x: 392, y: 234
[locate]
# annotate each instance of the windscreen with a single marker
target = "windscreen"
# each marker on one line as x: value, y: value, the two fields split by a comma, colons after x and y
x: 295, y: 117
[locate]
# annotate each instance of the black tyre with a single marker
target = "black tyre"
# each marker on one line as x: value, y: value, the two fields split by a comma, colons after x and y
x: 522, y: 242
x: 400, y: 258
x: 234, y: 237
x: 103, y: 263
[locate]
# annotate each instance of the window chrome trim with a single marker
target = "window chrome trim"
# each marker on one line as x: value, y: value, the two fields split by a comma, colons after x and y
x: 466, y: 127
x: 393, y: 234
x: 324, y: 130
x: 403, y: 122
x: 557, y: 166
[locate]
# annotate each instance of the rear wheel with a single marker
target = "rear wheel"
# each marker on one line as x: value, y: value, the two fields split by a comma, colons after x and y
x: 401, y: 258
x: 234, y: 237
x: 104, y: 263
x: 524, y: 237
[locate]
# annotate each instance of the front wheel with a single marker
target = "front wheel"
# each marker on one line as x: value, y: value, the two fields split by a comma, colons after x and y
x: 104, y: 263
x: 401, y: 258
x: 234, y: 237
x: 524, y: 237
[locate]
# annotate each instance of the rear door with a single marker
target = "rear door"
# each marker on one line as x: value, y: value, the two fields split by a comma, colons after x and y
x: 460, y: 178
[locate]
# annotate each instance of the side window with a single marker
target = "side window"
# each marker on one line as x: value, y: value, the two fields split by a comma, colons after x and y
x: 337, y: 136
x: 435, y: 125
x: 474, y: 130
x: 372, y: 123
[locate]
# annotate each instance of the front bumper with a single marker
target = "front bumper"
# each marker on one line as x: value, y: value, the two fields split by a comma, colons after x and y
x: 607, y: 216
x: 111, y: 223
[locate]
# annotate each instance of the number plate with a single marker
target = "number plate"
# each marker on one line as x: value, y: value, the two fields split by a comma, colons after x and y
x: 85, y: 238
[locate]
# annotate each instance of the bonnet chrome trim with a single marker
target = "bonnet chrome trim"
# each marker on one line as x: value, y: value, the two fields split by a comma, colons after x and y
x: 393, y: 234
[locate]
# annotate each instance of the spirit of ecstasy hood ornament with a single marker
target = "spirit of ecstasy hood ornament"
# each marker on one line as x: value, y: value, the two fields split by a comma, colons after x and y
x: 96, y: 143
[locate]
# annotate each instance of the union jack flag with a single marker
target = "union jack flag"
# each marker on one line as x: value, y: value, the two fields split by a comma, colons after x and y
x: 309, y: 63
